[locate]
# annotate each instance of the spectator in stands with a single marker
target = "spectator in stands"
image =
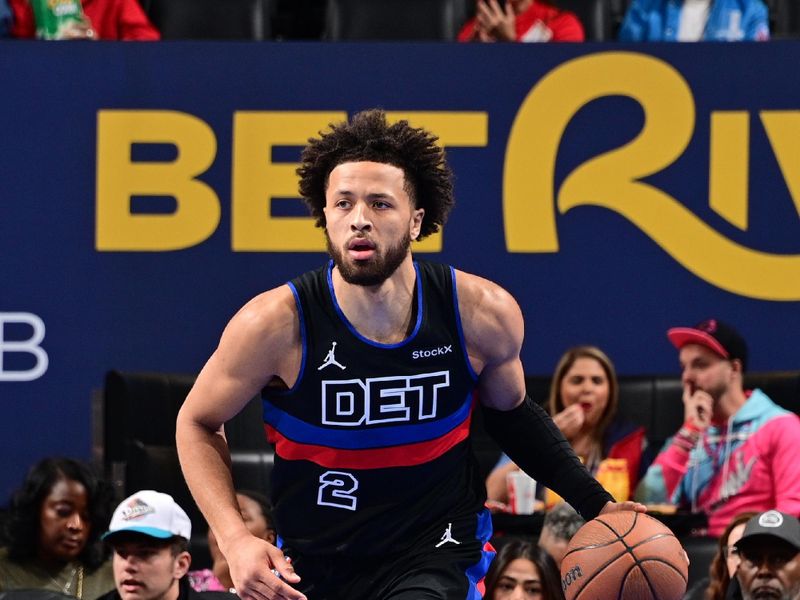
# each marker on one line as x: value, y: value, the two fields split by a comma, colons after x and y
x: 50, y: 536
x: 104, y: 20
x: 560, y: 523
x: 769, y: 551
x: 695, y: 20
x: 521, y: 21
x: 149, y: 534
x: 583, y: 401
x: 523, y: 570
x: 736, y: 449
x: 5, y: 19
x: 724, y: 564
x: 257, y: 514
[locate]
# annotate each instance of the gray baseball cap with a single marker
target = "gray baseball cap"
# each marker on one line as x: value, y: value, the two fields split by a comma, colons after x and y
x: 772, y: 523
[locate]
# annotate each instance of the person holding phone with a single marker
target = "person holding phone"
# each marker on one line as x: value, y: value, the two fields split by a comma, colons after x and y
x: 736, y: 449
x: 521, y: 21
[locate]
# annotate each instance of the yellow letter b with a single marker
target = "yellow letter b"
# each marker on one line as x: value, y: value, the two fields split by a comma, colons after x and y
x: 197, y: 211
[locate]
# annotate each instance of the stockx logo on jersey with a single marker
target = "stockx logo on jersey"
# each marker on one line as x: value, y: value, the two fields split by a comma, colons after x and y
x: 376, y: 400
x: 429, y: 352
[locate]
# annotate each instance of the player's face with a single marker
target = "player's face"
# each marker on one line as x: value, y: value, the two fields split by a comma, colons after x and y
x: 704, y: 369
x: 520, y: 581
x: 586, y: 384
x: 370, y: 221
x: 770, y: 568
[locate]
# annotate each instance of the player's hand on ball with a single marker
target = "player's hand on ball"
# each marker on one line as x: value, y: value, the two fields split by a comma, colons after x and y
x: 627, y: 505
x: 259, y: 570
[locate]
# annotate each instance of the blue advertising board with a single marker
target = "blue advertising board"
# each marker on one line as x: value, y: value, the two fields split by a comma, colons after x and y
x: 148, y: 190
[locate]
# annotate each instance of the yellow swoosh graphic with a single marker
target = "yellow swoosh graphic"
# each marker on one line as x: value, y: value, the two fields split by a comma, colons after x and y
x: 691, y: 242
x: 613, y: 180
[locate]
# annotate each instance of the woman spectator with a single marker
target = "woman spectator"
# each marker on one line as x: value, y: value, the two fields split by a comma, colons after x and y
x: 257, y: 513
x: 583, y: 402
x: 51, y: 534
x: 521, y: 21
x: 723, y: 565
x: 523, y: 570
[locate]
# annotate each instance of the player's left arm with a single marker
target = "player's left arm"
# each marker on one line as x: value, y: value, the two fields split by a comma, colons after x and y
x: 494, y: 331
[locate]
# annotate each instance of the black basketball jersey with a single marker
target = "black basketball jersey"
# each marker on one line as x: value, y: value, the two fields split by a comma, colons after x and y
x: 372, y: 442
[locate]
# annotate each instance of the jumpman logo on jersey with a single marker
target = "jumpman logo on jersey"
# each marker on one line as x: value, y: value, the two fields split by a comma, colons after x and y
x: 330, y: 359
x: 448, y: 536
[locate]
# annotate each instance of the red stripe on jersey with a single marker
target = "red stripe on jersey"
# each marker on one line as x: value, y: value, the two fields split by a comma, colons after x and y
x: 406, y: 455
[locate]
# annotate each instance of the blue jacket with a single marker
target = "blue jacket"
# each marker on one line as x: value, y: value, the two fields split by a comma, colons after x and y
x: 728, y: 21
x: 5, y: 19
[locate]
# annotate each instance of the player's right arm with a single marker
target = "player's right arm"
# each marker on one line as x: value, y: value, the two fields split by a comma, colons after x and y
x: 261, y: 342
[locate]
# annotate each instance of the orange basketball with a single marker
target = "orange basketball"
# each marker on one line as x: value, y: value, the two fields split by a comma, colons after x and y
x: 624, y: 556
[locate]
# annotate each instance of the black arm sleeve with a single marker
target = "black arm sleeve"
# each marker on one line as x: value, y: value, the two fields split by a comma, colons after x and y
x: 533, y: 441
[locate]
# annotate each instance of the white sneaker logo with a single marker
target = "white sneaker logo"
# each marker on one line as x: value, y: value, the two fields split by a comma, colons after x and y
x: 448, y: 536
x: 330, y: 359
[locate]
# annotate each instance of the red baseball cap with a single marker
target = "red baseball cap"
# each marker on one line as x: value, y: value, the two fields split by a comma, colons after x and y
x: 714, y: 335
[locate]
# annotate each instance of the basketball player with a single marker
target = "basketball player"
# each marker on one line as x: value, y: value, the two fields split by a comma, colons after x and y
x: 367, y: 368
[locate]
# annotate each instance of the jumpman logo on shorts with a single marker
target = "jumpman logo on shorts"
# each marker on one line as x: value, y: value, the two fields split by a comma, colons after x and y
x: 330, y: 359
x: 448, y: 536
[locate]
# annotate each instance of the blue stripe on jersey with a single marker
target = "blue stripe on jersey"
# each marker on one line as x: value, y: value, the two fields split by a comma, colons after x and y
x: 358, y: 439
x: 303, y: 342
x: 355, y: 332
x: 460, y: 325
x: 478, y: 571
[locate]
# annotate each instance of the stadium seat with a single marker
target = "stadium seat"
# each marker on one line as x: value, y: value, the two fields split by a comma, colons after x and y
x: 596, y: 16
x: 139, y: 413
x: 393, y: 19
x: 211, y: 19
x: 701, y: 551
x: 784, y: 18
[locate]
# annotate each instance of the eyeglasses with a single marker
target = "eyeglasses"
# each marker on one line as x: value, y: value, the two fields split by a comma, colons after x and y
x: 775, y: 559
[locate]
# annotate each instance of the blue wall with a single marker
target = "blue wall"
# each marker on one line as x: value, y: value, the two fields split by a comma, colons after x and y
x: 614, y: 190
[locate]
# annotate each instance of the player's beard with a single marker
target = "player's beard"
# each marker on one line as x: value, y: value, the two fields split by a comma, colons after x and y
x: 373, y: 271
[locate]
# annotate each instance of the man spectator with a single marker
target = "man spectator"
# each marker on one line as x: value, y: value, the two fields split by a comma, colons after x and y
x: 149, y: 534
x: 736, y: 449
x: 560, y: 523
x: 695, y: 20
x: 770, y: 567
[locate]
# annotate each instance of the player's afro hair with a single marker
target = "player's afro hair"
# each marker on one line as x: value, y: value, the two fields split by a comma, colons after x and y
x: 368, y: 137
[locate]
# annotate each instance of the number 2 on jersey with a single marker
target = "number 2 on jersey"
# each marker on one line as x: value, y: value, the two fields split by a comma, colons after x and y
x: 336, y: 489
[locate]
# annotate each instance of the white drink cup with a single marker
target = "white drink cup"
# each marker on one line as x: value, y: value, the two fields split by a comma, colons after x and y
x: 521, y: 492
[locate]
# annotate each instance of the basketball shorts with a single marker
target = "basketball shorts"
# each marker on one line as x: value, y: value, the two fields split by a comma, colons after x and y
x: 448, y: 564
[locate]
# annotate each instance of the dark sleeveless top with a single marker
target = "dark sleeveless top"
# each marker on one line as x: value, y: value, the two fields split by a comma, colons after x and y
x: 372, y: 442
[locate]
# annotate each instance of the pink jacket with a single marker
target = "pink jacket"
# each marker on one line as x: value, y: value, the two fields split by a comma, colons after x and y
x: 748, y: 464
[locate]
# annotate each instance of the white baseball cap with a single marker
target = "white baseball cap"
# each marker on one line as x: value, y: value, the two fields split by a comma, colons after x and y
x: 150, y: 513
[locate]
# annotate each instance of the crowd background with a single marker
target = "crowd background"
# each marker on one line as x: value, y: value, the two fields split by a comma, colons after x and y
x: 443, y: 20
